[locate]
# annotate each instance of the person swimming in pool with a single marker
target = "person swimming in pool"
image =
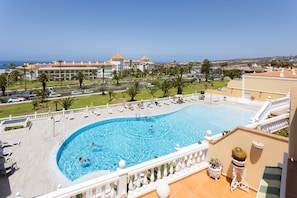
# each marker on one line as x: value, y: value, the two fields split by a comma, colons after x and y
x: 151, y: 128
x: 81, y: 160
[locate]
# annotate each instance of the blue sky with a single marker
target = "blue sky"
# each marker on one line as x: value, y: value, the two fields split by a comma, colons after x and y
x: 163, y: 30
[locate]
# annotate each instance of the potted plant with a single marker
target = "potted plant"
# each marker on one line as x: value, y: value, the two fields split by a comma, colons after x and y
x: 238, y: 156
x: 214, y: 168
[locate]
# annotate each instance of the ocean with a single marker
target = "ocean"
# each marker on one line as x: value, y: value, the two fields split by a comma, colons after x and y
x: 6, y: 64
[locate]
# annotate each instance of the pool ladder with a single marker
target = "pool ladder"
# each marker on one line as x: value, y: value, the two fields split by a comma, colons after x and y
x: 137, y: 115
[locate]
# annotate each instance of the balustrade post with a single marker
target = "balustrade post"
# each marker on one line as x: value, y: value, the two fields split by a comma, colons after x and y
x: 122, y: 185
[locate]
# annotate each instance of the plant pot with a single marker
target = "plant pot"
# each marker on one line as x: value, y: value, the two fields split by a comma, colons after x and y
x: 214, y: 172
x: 238, y: 163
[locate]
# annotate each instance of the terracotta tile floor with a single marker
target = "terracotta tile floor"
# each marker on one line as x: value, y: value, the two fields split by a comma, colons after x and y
x: 200, y: 185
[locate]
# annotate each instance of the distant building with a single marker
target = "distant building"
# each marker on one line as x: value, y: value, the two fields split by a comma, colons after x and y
x: 274, y: 84
x: 92, y: 70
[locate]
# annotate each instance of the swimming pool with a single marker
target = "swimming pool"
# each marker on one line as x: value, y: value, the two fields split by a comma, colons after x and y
x: 133, y: 140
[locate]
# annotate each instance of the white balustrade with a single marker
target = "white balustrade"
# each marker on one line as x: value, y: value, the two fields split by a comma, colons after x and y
x: 140, y: 178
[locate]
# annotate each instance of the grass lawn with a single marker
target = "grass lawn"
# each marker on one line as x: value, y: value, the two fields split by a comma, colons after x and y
x: 98, y: 99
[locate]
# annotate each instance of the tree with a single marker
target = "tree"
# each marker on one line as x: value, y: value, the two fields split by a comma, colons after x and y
x: 133, y: 91
x: 60, y: 75
x: 165, y: 87
x: 56, y: 102
x: 190, y: 67
x: 80, y: 76
x: 103, y: 70
x: 31, y: 72
x: 31, y: 75
x: 12, y: 65
x: 66, y: 103
x: 223, y: 65
x: 15, y: 75
x: 43, y: 78
x: 94, y: 74
x: 103, y: 89
x: 116, y: 76
x: 179, y: 82
x: 111, y: 95
x: 3, y: 83
x: 24, y: 75
x: 35, y: 104
x: 205, y: 68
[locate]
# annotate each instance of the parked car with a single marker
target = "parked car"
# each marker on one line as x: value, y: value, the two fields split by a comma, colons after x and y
x: 54, y: 94
x: 16, y: 99
x: 76, y: 92
x: 87, y: 91
x: 33, y: 97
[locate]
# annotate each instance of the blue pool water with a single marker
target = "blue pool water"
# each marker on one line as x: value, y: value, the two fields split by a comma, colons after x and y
x: 132, y: 140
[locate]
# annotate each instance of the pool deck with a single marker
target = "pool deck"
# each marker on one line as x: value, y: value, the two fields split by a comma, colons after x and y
x: 36, y: 171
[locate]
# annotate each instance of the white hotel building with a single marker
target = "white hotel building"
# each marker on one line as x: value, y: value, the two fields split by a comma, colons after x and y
x: 92, y: 70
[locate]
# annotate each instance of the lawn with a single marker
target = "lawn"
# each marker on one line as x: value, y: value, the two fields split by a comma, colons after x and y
x: 99, y: 99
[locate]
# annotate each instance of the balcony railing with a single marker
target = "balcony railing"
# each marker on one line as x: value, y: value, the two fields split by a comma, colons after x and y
x: 140, y: 179
x: 271, y: 125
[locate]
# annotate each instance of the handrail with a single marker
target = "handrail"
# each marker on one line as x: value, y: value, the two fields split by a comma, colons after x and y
x: 272, y: 124
x: 271, y: 106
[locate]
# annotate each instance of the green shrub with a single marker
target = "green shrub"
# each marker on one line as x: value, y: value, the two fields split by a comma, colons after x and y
x: 13, y: 127
x: 28, y: 123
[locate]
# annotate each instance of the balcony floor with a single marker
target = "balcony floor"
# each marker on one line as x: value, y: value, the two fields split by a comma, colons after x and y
x: 200, y: 185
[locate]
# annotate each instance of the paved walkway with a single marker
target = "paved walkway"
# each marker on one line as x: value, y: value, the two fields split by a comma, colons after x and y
x: 37, y: 172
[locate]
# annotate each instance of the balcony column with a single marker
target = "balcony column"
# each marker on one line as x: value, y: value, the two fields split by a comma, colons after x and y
x: 293, y: 125
x: 122, y: 188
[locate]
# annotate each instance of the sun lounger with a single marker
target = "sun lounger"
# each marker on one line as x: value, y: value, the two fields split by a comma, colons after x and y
x: 149, y: 105
x: 97, y: 111
x: 7, y: 167
x: 121, y: 109
x: 172, y: 100
x: 71, y: 115
x: 57, y: 118
x: 130, y: 107
x: 9, y: 144
x: 140, y: 105
x: 193, y: 97
x: 109, y: 110
x: 4, y: 153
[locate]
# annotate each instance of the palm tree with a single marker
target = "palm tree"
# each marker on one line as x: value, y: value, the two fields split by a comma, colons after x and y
x: 116, y: 77
x: 103, y: 89
x: 60, y: 75
x: 31, y: 72
x: 190, y: 67
x: 24, y: 75
x: 66, y: 103
x: 56, y: 102
x: 165, y: 86
x: 15, y: 75
x: 80, y: 76
x: 133, y: 91
x: 179, y: 82
x: 3, y: 83
x: 205, y: 68
x: 12, y: 65
x: 43, y: 78
x: 31, y: 75
x: 94, y: 72
x: 103, y: 66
